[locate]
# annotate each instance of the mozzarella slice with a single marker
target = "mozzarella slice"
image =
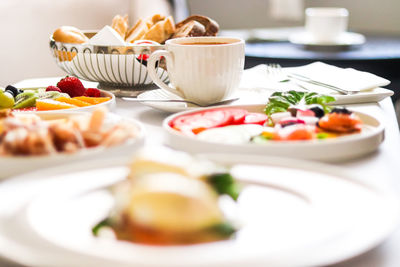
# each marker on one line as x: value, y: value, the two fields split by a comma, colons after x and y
x: 234, y: 134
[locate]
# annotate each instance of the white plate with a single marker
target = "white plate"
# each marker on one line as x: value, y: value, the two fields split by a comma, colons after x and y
x: 345, y: 39
x: 292, y: 217
x: 336, y: 149
x: 13, y: 165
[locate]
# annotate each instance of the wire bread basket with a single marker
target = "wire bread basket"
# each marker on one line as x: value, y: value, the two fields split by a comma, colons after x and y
x: 120, y: 69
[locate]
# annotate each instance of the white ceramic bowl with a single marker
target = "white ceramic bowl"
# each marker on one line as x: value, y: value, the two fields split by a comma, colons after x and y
x: 14, y: 165
x: 111, y: 66
x: 337, y: 149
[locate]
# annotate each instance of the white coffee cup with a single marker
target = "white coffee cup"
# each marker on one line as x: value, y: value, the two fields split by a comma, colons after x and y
x: 326, y: 24
x: 201, y: 69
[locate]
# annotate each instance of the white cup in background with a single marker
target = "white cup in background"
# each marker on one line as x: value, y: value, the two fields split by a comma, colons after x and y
x: 205, y: 70
x: 326, y: 24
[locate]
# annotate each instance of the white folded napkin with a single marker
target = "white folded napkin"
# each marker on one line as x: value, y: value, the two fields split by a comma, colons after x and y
x: 348, y: 79
x: 106, y: 37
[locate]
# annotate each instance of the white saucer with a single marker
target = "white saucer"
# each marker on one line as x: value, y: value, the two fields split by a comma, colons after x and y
x: 160, y: 94
x: 345, y: 39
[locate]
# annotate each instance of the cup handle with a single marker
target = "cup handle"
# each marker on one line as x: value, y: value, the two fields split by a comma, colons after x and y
x: 151, y: 69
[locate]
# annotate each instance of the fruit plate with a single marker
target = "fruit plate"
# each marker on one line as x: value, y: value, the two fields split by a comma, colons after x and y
x: 109, y: 104
x: 302, y: 219
x: 328, y: 150
x: 13, y: 165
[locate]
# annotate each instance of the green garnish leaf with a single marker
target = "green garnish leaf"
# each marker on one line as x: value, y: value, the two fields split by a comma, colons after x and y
x: 97, y: 227
x: 260, y: 139
x: 224, y: 184
x: 281, y: 101
x: 223, y: 229
x: 322, y: 135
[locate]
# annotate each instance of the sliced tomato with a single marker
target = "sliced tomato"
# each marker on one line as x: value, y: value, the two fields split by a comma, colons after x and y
x: 202, y: 120
x: 238, y: 114
x: 255, y: 118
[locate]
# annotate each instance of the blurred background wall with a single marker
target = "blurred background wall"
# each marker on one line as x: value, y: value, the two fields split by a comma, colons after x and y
x: 368, y: 16
x: 25, y: 25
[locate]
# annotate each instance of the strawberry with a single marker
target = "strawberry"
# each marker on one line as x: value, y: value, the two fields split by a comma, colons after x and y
x: 92, y: 92
x: 72, y: 86
x: 53, y: 88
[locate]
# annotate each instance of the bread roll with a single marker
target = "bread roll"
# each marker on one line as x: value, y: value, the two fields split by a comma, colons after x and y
x: 190, y: 29
x: 211, y: 27
x: 69, y: 34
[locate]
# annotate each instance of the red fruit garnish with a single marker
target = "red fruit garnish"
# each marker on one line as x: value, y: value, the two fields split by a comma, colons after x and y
x: 72, y: 86
x: 53, y: 88
x: 255, y: 118
x: 92, y: 92
x: 143, y: 57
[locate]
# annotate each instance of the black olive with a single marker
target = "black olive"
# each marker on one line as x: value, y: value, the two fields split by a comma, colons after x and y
x: 340, y: 110
x: 12, y: 90
x: 318, y: 111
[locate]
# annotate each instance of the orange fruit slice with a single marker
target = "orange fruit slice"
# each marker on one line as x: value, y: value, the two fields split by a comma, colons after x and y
x: 92, y: 100
x: 73, y: 101
x: 50, y: 104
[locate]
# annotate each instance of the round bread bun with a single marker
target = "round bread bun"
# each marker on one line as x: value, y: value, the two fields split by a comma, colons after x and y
x: 69, y: 34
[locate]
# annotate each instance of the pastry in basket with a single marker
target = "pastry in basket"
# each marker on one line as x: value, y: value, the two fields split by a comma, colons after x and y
x: 170, y: 202
x: 158, y: 28
x: 68, y: 34
x: 120, y: 25
x: 196, y: 25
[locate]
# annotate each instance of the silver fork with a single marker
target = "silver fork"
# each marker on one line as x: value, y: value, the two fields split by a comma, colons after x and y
x: 298, y: 77
x: 275, y: 72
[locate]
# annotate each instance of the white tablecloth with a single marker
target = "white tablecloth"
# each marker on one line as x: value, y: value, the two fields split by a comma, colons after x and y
x: 381, y: 166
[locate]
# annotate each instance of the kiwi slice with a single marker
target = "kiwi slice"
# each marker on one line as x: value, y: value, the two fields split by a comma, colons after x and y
x: 6, y: 100
x: 43, y: 94
x: 25, y: 100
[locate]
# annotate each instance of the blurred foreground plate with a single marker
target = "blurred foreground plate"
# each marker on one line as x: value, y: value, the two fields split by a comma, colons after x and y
x: 293, y: 213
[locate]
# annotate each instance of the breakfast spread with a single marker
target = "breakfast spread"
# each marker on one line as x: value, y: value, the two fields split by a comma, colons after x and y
x: 289, y: 116
x: 170, y: 202
x: 157, y: 28
x: 69, y: 93
x: 28, y: 134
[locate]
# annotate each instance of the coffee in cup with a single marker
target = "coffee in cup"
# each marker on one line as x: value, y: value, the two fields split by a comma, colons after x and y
x: 204, y: 70
x: 326, y: 24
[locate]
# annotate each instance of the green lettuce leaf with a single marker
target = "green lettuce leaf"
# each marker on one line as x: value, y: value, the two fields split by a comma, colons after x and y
x: 282, y: 101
